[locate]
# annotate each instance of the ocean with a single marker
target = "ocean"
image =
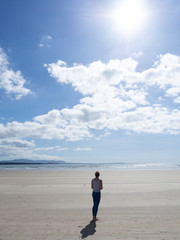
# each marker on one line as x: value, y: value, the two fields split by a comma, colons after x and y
x: 89, y: 166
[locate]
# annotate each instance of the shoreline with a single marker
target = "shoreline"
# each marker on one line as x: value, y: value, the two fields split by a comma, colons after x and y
x: 87, y: 167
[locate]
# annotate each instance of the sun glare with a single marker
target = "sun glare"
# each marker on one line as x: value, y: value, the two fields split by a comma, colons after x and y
x: 129, y: 16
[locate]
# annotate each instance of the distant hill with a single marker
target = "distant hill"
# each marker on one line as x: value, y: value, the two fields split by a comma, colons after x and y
x: 28, y: 161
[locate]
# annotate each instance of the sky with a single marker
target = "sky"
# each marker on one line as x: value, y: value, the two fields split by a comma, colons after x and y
x: 90, y: 81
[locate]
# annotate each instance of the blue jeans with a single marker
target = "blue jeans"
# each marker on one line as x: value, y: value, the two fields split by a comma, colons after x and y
x: 96, y: 200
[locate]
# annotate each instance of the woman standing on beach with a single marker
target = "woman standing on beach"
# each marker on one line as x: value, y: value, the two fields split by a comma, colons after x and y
x: 97, y: 186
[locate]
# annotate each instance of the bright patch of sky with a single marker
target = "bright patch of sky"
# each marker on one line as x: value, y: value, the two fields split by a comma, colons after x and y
x: 79, y: 83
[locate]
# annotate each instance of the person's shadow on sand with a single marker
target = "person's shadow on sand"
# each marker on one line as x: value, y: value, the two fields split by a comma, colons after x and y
x: 88, y: 230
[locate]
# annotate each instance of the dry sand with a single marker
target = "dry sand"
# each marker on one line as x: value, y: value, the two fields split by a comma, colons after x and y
x: 57, y: 205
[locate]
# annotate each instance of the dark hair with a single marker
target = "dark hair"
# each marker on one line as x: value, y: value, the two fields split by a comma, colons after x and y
x: 97, y: 174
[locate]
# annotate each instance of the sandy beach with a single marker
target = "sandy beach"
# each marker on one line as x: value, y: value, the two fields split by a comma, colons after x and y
x: 56, y: 205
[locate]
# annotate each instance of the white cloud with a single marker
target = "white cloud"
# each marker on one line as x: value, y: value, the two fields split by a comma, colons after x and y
x: 115, y: 97
x: 82, y: 149
x: 12, y: 148
x: 45, y: 157
x: 137, y: 55
x: 165, y: 73
x: 56, y: 148
x: 95, y: 78
x: 10, y: 81
x: 174, y: 92
x: 45, y: 41
x: 17, y: 142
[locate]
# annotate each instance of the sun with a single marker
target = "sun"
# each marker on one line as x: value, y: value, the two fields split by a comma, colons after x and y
x: 129, y: 16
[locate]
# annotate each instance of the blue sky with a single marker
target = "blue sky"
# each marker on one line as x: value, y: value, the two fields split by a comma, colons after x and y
x: 85, y: 81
